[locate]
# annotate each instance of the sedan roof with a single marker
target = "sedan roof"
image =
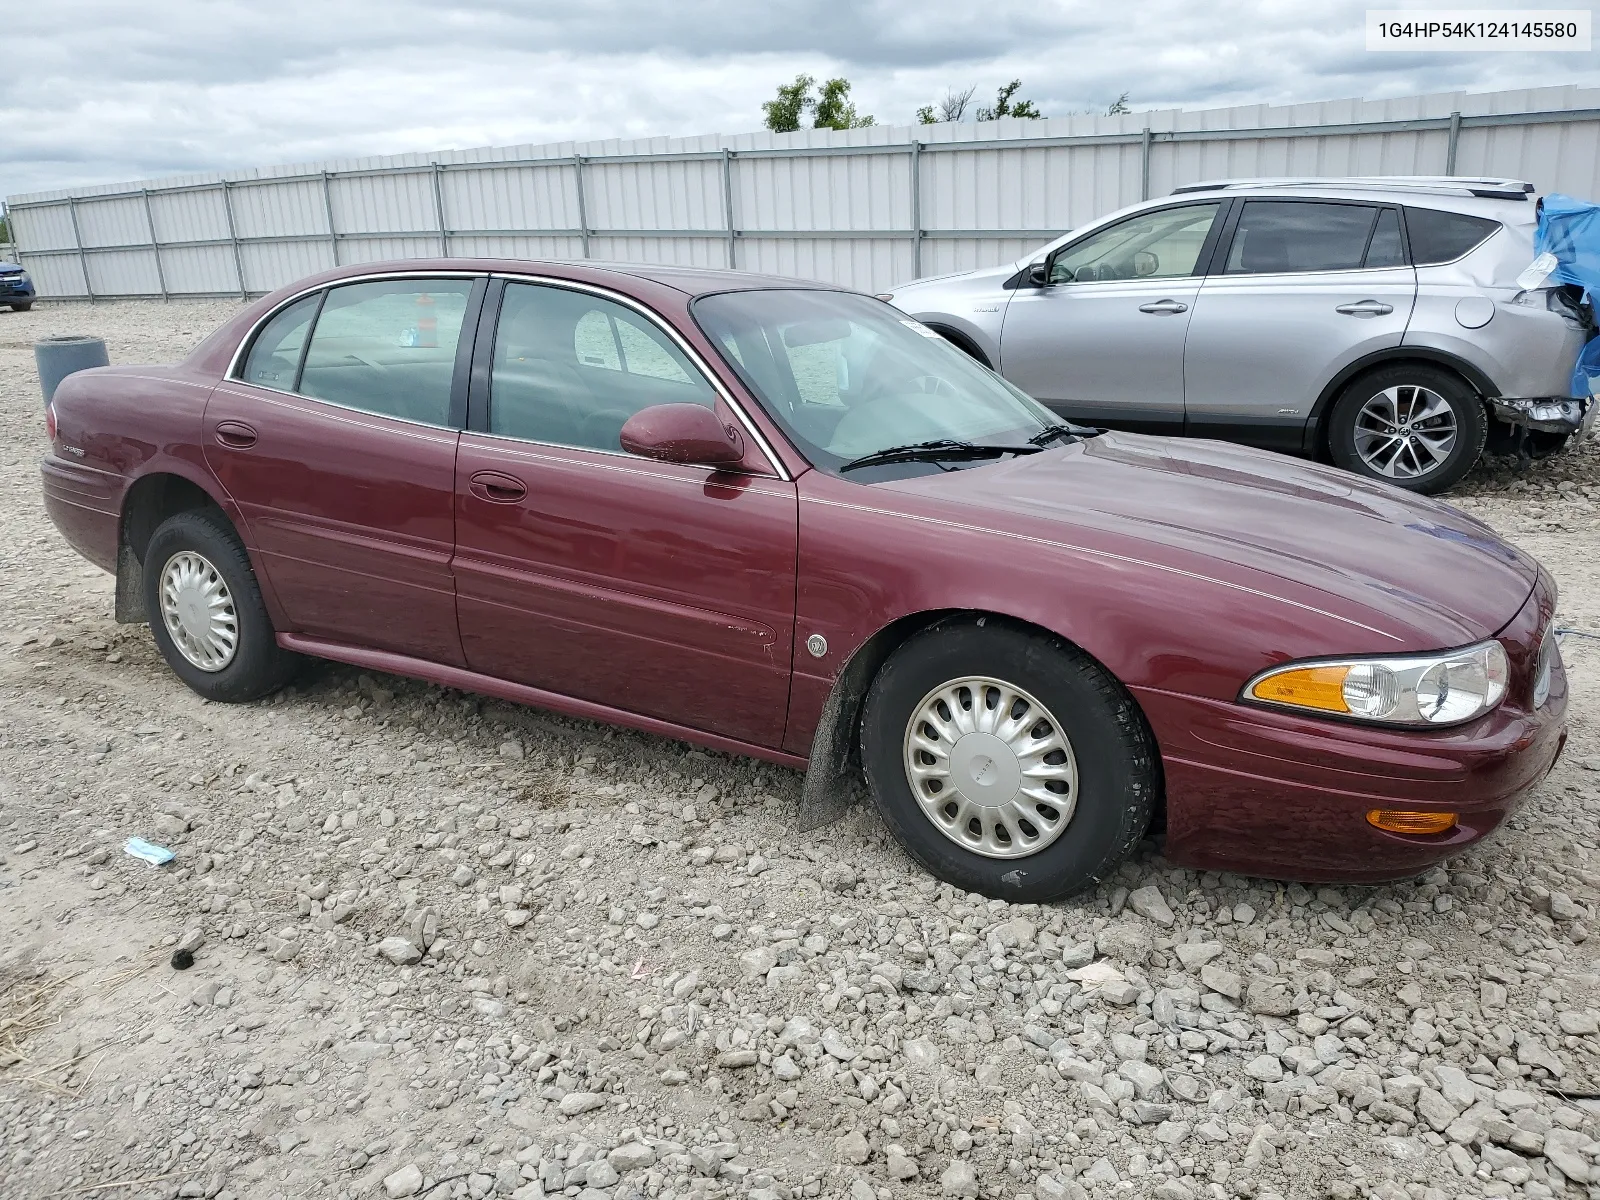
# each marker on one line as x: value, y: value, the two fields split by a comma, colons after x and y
x: 691, y: 281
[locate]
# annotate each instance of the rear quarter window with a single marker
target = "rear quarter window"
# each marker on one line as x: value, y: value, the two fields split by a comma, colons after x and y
x: 1441, y: 237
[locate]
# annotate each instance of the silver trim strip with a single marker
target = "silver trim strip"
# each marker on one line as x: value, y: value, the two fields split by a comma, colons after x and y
x: 236, y: 363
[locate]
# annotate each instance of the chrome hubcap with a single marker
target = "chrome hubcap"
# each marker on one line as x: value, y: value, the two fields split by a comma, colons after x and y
x: 1405, y: 432
x: 991, y: 767
x: 198, y: 611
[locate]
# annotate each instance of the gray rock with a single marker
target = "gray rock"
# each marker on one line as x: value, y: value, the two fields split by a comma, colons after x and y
x: 1562, y: 907
x: 900, y: 1165
x: 959, y: 1179
x: 1267, y: 999
x: 1563, y: 1149
x: 1080, y: 955
x: 738, y: 1060
x: 574, y: 1103
x: 852, y: 1147
x: 1197, y: 954
x: 1147, y: 1080
x: 1223, y: 981
x: 1149, y: 903
x: 407, y: 1181
x: 1265, y: 1067
x: 400, y: 951
x: 1435, y: 1109
x: 756, y: 963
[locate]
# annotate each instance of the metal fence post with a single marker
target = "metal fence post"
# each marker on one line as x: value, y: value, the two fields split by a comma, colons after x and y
x: 1450, y: 147
x: 916, y: 208
x: 233, y: 236
x: 327, y: 208
x: 1144, y: 165
x: 583, y: 214
x: 438, y: 208
x: 155, y: 246
x: 77, y: 240
x: 727, y: 206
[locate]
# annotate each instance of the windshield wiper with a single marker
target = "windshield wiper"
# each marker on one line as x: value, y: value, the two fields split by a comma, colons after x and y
x: 1067, y: 433
x: 937, y: 450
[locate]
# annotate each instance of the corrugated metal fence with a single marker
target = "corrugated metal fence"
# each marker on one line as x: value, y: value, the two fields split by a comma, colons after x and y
x: 864, y: 208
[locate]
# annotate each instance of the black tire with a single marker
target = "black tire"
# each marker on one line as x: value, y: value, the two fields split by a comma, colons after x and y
x: 1119, y: 773
x: 259, y: 666
x: 1472, y: 424
x: 22, y: 307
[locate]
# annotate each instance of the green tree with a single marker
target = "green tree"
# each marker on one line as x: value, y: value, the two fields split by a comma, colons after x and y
x: 1004, y: 107
x: 784, y: 113
x: 834, y: 109
x: 830, y: 108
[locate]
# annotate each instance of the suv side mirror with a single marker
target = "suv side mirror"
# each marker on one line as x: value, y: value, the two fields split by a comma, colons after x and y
x: 682, y: 433
x: 1039, y: 274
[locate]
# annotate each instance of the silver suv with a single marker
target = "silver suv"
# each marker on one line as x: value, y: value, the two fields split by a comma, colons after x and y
x: 1377, y: 322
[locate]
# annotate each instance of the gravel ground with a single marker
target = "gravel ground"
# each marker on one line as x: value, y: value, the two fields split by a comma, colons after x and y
x: 444, y: 946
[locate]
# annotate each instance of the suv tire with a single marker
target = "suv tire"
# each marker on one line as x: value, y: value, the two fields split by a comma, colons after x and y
x: 1391, y: 398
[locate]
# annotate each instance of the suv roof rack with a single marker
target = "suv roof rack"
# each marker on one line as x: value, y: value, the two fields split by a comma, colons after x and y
x: 1449, y: 185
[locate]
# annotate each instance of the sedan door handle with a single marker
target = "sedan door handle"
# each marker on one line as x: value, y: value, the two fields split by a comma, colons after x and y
x: 1365, y: 308
x: 1164, y: 306
x: 498, y: 488
x: 235, y: 434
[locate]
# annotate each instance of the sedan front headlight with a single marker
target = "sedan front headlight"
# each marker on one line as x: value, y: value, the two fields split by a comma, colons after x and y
x: 1425, y: 690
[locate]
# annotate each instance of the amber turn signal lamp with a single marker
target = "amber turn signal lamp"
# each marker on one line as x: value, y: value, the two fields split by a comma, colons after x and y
x: 1401, y: 821
x: 1307, y: 687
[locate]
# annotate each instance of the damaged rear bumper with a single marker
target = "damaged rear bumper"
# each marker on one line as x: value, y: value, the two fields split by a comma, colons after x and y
x: 1546, y: 414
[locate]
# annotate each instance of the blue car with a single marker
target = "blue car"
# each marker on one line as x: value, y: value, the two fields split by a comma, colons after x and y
x: 16, y: 289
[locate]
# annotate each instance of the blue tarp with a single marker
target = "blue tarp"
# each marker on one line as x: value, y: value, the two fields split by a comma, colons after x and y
x: 1570, y: 230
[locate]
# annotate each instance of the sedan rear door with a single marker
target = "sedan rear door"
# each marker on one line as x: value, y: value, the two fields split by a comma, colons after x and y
x: 1303, y: 289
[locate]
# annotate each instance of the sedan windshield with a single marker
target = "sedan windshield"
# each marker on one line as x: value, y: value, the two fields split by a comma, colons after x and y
x: 860, y: 387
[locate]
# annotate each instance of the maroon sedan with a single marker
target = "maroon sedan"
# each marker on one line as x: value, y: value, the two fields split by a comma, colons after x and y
x: 784, y: 520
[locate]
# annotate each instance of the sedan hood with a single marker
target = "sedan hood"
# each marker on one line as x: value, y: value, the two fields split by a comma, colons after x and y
x: 1418, y: 571
x: 9, y: 266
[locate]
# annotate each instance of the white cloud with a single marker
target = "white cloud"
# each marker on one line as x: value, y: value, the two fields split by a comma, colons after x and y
x: 104, y: 90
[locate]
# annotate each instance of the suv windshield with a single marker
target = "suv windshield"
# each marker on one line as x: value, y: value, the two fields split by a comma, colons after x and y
x: 848, y: 377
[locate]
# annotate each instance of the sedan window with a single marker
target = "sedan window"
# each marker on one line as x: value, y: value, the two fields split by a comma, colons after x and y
x: 274, y: 359
x: 1163, y: 244
x: 388, y: 347
x: 570, y: 368
x: 1277, y: 237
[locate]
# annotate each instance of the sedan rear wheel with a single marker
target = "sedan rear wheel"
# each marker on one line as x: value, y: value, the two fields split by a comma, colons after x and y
x: 1414, y: 426
x: 206, y: 612
x: 1006, y: 761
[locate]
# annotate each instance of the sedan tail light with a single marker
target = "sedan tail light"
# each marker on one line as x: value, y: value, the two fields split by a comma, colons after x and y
x: 50, y: 422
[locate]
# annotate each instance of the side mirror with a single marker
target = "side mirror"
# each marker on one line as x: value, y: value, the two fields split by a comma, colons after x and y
x: 682, y: 433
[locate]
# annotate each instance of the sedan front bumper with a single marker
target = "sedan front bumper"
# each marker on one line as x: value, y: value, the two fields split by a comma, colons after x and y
x: 1272, y: 793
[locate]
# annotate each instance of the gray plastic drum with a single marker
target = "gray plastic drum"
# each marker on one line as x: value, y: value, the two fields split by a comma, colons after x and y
x: 58, y: 357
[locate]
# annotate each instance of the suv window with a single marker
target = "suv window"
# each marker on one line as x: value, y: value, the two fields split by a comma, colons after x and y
x: 388, y: 347
x: 1440, y: 237
x: 1153, y: 245
x: 570, y: 368
x: 274, y: 358
x: 1276, y: 237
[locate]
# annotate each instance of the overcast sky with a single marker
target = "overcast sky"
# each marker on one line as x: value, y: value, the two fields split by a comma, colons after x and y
x: 108, y: 90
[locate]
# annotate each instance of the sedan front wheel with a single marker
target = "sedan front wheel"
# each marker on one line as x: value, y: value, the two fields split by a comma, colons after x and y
x: 1006, y: 761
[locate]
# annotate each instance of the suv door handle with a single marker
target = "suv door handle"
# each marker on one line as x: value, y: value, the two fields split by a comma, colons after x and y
x: 1164, y: 306
x: 235, y: 434
x: 498, y: 488
x: 1365, y: 308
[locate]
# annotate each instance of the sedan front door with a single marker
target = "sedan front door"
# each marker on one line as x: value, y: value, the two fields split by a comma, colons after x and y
x: 1306, y: 288
x: 1102, y: 341
x: 659, y: 589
